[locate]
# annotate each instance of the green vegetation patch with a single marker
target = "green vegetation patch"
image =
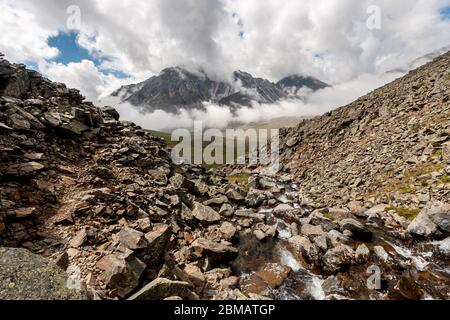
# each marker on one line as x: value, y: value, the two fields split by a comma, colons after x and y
x: 407, y: 213
x: 445, y: 179
x: 424, y: 184
x: 406, y: 189
x: 239, y: 179
x: 328, y: 215
x: 436, y: 154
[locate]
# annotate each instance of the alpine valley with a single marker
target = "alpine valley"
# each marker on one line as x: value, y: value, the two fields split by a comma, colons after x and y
x: 92, y: 207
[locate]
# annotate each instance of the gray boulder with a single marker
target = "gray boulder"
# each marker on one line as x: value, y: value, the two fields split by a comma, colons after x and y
x: 337, y: 258
x: 205, y: 214
x: 161, y: 288
x: 26, y: 276
x: 121, y: 272
x: 432, y: 222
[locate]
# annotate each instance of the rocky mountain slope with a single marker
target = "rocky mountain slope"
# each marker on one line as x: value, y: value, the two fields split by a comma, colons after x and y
x: 294, y: 83
x: 389, y: 143
x: 177, y: 88
x: 101, y: 200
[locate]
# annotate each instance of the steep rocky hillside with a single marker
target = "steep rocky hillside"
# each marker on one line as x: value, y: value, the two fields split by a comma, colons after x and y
x: 99, y: 196
x: 391, y: 145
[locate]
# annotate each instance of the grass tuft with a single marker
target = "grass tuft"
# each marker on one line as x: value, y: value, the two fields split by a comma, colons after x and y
x: 239, y: 179
x: 445, y: 179
x: 407, y: 213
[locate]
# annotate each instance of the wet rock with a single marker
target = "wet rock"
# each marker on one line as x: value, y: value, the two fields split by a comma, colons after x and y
x: 305, y: 247
x: 432, y: 222
x: 35, y: 279
x: 283, y: 208
x: 334, y: 286
x: 318, y: 219
x: 322, y: 242
x: 337, y: 238
x: 161, y: 288
x: 205, y: 214
x: 216, y: 252
x: 259, y: 234
x: 121, y: 272
x: 408, y: 289
x: 337, y: 258
x: 362, y: 254
x: 381, y: 253
x: 274, y: 274
x: 356, y: 228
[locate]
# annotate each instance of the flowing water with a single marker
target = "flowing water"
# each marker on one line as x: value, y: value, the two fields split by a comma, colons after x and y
x: 421, y: 271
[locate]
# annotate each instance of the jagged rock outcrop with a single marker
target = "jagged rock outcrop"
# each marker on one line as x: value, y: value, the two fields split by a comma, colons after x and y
x: 389, y: 143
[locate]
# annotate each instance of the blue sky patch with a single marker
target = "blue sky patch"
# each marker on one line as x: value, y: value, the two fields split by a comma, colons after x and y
x: 71, y: 51
x: 445, y: 13
x: 31, y: 65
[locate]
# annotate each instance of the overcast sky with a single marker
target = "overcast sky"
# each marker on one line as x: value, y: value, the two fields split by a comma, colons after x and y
x: 127, y: 41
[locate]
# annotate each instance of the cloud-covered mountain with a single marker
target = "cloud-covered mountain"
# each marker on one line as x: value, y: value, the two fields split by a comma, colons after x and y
x: 416, y: 63
x: 294, y: 83
x: 177, y: 88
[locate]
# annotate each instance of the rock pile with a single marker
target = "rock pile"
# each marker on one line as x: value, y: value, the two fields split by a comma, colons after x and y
x: 89, y: 191
x: 363, y: 186
x: 390, y: 146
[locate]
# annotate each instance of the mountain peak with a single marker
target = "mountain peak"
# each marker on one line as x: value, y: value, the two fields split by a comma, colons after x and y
x: 295, y: 82
x: 177, y: 88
